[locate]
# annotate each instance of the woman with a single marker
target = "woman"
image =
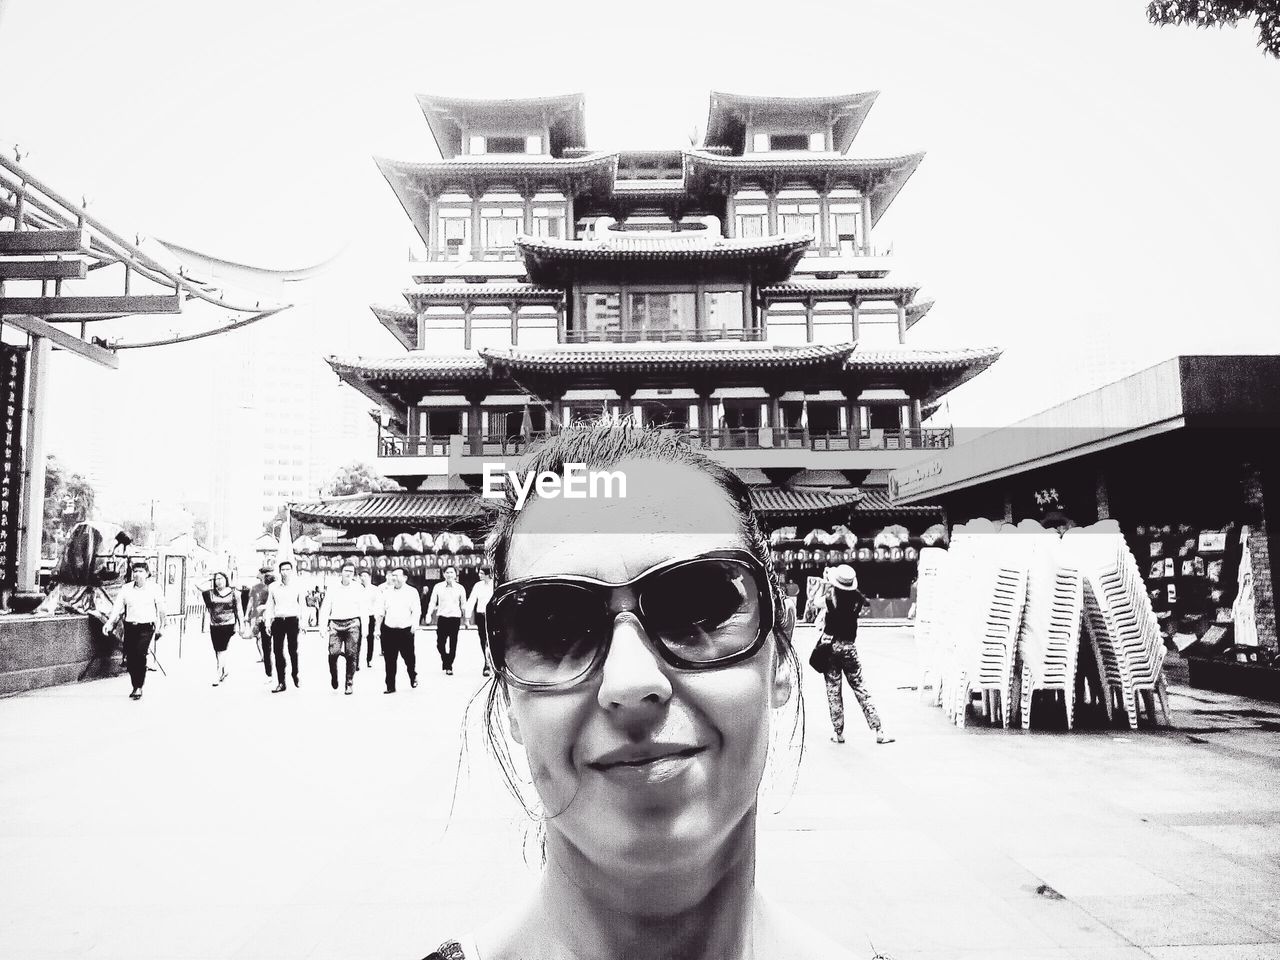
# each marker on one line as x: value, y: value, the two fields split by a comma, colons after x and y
x: 840, y: 629
x: 225, y: 618
x: 642, y: 657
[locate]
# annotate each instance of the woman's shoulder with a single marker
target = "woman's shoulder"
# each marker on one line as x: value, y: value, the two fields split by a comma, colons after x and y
x: 449, y: 950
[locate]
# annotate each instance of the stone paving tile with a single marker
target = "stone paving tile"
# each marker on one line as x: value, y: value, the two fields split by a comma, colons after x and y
x: 1162, y: 920
x: 231, y: 823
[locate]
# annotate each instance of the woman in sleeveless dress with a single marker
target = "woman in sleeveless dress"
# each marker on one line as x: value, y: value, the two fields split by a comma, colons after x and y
x: 223, y: 606
x: 642, y: 660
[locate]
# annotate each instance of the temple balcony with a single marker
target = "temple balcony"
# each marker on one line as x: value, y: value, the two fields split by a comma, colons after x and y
x: 662, y: 335
x: 412, y: 458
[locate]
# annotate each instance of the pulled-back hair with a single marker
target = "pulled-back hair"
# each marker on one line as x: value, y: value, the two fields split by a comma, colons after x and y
x: 601, y: 445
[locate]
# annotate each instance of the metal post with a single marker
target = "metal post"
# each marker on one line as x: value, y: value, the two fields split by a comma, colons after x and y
x: 31, y: 523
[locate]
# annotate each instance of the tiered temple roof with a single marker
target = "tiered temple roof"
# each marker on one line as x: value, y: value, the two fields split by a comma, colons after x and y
x: 564, y: 115
x: 729, y: 113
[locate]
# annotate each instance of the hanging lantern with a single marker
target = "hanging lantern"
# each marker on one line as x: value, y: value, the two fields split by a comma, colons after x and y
x: 881, y: 554
x: 911, y: 554
x: 864, y: 553
x: 819, y: 556
x: 895, y: 553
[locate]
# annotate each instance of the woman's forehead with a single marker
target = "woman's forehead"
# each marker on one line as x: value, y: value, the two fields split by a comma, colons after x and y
x: 669, y: 510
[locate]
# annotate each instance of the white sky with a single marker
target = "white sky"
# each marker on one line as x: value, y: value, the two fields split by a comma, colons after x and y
x: 1096, y: 189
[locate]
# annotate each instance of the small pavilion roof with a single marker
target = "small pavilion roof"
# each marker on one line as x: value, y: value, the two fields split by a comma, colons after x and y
x: 426, y: 293
x: 805, y: 287
x: 413, y: 510
x: 943, y: 369
x: 401, y: 322
x: 782, y: 502
x: 412, y: 366
x: 879, y: 178
x: 646, y: 357
x: 875, y: 502
x: 727, y: 114
x: 549, y: 260
x: 565, y: 114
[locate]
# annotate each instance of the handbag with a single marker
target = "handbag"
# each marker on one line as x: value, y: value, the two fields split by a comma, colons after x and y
x: 821, y: 657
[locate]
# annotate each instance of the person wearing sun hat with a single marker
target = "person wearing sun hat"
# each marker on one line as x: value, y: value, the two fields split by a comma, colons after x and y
x: 843, y: 605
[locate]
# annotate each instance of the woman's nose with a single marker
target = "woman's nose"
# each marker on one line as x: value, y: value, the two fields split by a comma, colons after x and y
x: 632, y: 674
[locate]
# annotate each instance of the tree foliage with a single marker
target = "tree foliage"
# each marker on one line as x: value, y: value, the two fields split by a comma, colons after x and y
x: 1222, y: 13
x: 68, y: 499
x: 358, y: 478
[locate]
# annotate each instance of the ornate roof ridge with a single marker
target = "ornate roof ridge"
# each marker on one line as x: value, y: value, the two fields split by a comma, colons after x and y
x: 496, y: 161
x: 806, y: 158
x: 676, y: 243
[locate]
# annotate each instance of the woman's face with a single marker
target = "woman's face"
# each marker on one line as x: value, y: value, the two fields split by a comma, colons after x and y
x: 219, y: 581
x: 652, y: 816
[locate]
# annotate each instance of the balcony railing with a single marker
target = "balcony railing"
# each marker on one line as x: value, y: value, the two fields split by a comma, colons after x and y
x: 764, y: 438
x: 724, y: 438
x: 662, y: 335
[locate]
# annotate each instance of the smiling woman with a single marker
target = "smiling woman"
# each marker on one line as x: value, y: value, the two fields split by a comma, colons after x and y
x: 643, y: 658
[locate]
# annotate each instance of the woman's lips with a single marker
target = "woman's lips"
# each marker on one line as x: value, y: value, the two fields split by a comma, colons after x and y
x: 609, y: 762
x: 648, y: 769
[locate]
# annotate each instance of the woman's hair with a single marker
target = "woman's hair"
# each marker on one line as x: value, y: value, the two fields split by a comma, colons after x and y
x: 602, y: 445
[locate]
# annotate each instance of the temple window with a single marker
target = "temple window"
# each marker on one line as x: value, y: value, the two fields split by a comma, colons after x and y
x: 664, y: 311
x: 548, y: 222
x: 882, y: 416
x: 798, y: 217
x: 846, y: 227
x: 724, y: 310
x: 752, y: 224
x: 501, y: 224
x: 602, y: 312
x: 439, y: 423
x: 455, y: 232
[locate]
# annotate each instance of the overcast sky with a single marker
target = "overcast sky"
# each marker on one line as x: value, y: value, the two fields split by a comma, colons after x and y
x: 1095, y: 188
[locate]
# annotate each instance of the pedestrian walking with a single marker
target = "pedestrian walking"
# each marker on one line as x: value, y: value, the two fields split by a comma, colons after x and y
x: 256, y: 613
x: 223, y: 606
x: 397, y: 614
x: 141, y: 607
x: 342, y: 619
x: 447, y: 602
x: 477, y: 607
x: 840, y: 630
x: 284, y: 606
x: 370, y: 593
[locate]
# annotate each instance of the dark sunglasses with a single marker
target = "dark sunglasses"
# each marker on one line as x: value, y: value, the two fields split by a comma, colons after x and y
x: 700, y: 613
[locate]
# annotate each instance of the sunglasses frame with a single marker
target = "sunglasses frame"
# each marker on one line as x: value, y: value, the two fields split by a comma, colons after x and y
x: 768, y: 613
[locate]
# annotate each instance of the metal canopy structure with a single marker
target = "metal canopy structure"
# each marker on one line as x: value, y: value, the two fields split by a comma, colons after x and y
x: 61, y: 270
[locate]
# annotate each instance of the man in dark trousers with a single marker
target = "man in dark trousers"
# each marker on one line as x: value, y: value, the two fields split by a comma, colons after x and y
x: 447, y: 602
x: 141, y: 608
x: 284, y: 606
x: 398, y: 612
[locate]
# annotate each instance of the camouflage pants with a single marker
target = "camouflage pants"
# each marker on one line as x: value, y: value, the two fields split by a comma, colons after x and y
x: 845, y: 665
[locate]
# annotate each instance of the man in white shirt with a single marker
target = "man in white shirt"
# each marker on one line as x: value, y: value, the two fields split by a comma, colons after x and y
x: 447, y: 601
x: 141, y: 607
x: 285, y: 605
x: 365, y: 577
x: 477, y: 605
x: 398, y: 612
x: 342, y: 618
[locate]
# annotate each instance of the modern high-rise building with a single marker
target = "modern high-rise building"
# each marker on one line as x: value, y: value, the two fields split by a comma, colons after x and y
x: 732, y: 292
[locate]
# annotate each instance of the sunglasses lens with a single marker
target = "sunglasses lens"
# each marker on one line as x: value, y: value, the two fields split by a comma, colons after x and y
x: 705, y: 610
x: 550, y: 633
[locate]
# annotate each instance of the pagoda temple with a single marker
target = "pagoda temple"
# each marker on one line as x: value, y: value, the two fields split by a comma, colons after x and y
x: 731, y: 292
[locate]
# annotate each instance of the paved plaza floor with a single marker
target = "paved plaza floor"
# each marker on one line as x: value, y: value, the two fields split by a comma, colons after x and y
x: 233, y: 823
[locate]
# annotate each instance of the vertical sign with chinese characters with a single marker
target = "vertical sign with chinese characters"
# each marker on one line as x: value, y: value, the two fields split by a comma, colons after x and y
x: 12, y: 373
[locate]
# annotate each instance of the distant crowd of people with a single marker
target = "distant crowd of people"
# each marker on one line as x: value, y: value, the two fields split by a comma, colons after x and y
x: 353, y: 614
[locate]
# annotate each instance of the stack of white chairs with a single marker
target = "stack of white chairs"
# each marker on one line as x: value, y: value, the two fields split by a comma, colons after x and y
x: 1000, y: 592
x: 930, y: 628
x: 1123, y: 631
x: 1049, y: 644
x: 956, y: 606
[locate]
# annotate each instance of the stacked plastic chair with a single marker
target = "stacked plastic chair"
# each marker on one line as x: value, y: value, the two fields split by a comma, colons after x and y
x: 1123, y: 631
x: 1049, y: 644
x: 955, y: 609
x: 930, y: 629
x: 1001, y: 591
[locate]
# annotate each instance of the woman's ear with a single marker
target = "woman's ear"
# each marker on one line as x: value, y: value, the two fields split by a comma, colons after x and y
x: 512, y: 723
x: 784, y: 678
